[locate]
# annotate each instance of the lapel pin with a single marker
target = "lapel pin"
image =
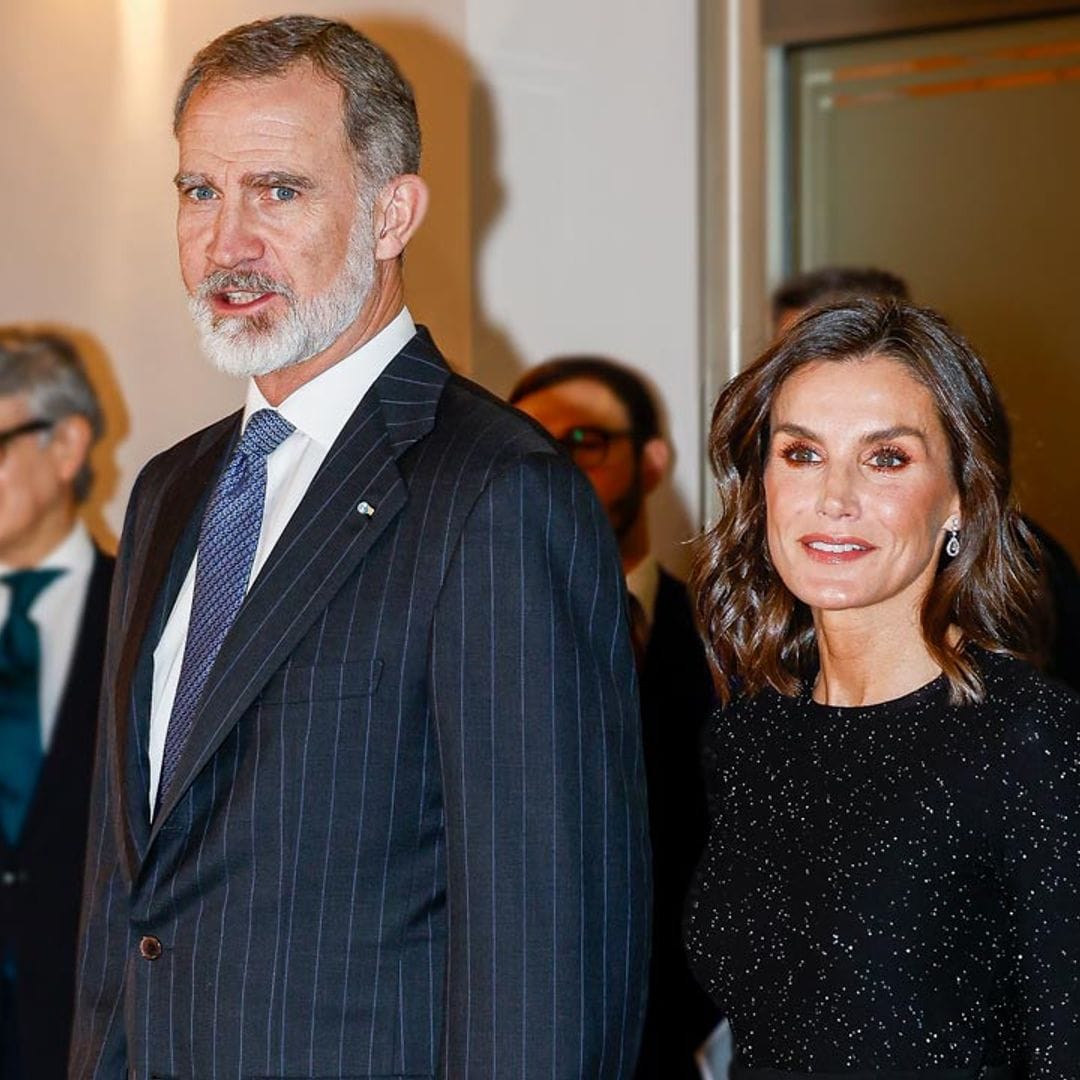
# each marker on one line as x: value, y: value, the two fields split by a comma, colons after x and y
x: 366, y: 509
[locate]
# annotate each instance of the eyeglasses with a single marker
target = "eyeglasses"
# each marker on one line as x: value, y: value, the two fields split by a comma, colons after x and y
x: 31, y: 426
x: 589, y: 446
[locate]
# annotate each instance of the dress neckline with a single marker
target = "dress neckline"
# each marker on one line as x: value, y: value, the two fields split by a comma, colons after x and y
x: 906, y: 701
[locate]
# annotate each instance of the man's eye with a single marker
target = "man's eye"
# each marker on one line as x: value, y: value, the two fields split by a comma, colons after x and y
x: 281, y: 193
x: 201, y: 193
x: 587, y: 440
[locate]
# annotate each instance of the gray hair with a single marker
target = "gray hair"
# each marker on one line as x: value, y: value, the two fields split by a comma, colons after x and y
x: 379, y: 111
x: 45, y: 368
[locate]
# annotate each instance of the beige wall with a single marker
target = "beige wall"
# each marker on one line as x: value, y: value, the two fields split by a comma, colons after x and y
x: 586, y: 211
x: 560, y: 145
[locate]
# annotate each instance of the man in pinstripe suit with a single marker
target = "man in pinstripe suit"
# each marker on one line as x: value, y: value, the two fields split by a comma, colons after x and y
x: 398, y: 828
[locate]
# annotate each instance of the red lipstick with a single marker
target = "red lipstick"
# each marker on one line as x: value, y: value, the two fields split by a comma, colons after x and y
x: 825, y: 548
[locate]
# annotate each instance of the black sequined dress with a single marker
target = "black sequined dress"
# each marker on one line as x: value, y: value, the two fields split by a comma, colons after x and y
x: 894, y: 890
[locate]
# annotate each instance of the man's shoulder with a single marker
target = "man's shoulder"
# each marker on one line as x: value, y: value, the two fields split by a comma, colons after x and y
x: 466, y: 421
x: 477, y: 424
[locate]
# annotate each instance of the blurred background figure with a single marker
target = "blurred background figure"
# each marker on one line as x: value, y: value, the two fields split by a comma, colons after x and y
x: 828, y: 285
x: 605, y: 416
x: 54, y: 589
x: 832, y: 284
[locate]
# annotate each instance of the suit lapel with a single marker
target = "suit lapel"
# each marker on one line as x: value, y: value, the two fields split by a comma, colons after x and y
x: 354, y: 498
x: 162, y: 552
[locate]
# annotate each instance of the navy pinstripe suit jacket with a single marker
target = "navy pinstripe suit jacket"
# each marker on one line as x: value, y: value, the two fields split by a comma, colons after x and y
x: 407, y: 836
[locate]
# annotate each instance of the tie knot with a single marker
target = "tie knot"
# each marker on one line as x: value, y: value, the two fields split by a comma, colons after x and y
x: 26, y: 585
x: 266, y: 430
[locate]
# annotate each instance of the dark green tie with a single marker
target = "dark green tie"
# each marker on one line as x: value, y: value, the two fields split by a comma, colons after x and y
x: 20, y: 720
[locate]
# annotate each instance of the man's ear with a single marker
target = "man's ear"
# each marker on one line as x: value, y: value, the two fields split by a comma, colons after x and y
x: 69, y: 445
x: 655, y: 459
x: 399, y: 209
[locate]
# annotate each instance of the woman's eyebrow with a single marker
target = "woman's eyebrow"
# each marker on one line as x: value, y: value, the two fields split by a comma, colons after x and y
x: 794, y: 429
x: 897, y: 431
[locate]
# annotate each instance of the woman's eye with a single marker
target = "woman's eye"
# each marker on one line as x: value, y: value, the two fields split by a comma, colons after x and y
x: 889, y: 459
x: 800, y: 455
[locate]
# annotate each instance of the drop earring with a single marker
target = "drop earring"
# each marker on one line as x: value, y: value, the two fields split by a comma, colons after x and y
x: 952, y: 545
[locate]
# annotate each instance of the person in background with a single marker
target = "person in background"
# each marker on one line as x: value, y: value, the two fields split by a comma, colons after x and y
x: 1060, y: 588
x: 604, y: 415
x: 54, y: 591
x: 829, y: 284
x: 891, y: 885
x: 348, y: 819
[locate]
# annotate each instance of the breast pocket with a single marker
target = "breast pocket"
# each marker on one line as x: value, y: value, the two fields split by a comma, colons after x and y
x: 298, y: 683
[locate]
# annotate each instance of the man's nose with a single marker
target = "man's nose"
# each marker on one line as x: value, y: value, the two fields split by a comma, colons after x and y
x: 234, y: 239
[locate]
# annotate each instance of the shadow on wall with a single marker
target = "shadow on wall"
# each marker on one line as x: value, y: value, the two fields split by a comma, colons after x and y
x: 503, y: 364
x: 99, y: 370
x: 102, y: 377
x: 458, y: 163
x: 437, y: 262
x: 468, y: 195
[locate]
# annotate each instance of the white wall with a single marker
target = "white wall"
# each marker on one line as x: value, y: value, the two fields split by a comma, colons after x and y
x: 593, y: 140
x: 560, y: 143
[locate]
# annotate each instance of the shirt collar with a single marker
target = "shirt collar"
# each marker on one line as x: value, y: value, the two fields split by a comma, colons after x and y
x: 321, y: 407
x: 644, y: 582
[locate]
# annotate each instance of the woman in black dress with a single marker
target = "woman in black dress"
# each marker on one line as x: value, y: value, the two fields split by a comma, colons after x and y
x: 891, y: 887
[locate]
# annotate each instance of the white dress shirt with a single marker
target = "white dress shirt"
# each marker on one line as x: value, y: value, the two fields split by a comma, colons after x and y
x: 318, y: 410
x: 57, y: 612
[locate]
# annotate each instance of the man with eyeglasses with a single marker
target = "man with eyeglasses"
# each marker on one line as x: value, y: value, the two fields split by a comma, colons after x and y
x: 54, y: 589
x: 604, y: 416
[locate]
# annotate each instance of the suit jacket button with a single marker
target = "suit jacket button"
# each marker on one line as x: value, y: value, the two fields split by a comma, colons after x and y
x: 149, y: 947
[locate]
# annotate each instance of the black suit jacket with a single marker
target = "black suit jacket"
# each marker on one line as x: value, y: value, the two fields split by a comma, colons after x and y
x: 407, y: 836
x: 677, y: 696
x: 41, y: 878
x: 1061, y: 600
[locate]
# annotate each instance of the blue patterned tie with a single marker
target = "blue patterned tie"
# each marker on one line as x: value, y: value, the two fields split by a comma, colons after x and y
x: 227, y: 542
x: 20, y: 718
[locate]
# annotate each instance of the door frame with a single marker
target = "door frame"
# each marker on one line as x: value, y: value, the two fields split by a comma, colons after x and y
x: 795, y: 22
x: 741, y: 192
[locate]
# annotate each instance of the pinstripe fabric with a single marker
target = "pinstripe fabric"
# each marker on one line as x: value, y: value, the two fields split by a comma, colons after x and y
x: 407, y: 835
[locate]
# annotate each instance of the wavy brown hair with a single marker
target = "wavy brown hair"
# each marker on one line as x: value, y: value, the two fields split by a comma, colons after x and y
x: 757, y: 632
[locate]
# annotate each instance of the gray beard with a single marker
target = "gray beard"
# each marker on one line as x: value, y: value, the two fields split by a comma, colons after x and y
x: 245, y: 346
